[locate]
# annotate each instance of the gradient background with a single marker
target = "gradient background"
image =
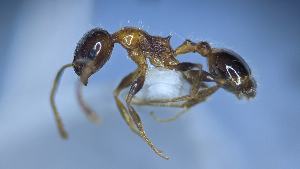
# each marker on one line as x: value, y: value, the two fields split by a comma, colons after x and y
x: 37, y: 37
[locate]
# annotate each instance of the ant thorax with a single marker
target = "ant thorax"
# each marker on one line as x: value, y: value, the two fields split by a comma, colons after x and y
x: 162, y: 83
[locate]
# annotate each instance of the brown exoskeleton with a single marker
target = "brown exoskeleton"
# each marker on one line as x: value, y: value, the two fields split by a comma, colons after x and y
x: 226, y: 69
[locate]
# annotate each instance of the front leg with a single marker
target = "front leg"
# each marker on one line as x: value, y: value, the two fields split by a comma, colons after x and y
x: 125, y: 82
x: 135, y: 87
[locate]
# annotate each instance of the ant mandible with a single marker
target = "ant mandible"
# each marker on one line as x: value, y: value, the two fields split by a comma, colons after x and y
x: 226, y: 69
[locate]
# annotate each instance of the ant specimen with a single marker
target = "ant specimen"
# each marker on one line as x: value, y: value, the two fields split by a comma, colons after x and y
x: 226, y: 69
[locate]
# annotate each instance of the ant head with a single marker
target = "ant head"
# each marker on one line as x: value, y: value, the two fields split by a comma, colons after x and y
x: 92, y: 52
x: 230, y: 67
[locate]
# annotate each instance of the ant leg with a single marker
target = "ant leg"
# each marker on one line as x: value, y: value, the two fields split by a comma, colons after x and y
x: 201, y: 96
x: 90, y: 114
x: 160, y: 102
x: 169, y: 119
x: 180, y: 113
x: 125, y: 82
x: 135, y: 87
x: 189, y: 102
x: 196, y: 78
x: 200, y: 91
x: 58, y: 120
x: 203, y: 48
x: 195, y: 87
x: 185, y: 66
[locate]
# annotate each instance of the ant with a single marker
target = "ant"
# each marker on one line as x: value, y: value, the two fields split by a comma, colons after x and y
x: 227, y: 70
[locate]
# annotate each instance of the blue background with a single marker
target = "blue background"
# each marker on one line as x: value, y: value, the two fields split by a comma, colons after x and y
x: 37, y: 37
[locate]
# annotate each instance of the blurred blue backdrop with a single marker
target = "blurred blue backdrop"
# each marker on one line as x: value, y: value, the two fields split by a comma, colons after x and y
x: 37, y: 37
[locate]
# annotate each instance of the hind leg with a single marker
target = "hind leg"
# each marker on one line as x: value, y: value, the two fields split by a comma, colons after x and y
x: 199, y: 93
x: 201, y: 96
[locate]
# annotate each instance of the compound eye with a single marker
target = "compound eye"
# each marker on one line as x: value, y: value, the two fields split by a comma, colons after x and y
x: 230, y: 66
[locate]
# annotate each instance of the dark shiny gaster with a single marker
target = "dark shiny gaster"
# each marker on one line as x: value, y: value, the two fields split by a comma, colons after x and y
x: 230, y: 66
